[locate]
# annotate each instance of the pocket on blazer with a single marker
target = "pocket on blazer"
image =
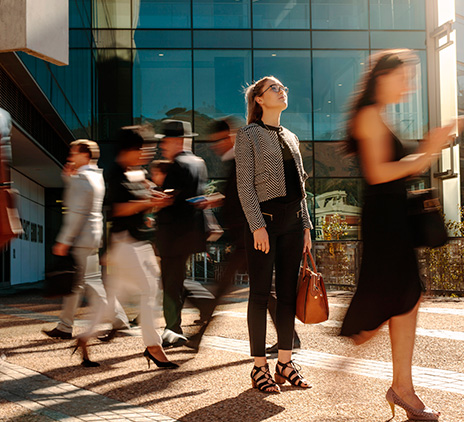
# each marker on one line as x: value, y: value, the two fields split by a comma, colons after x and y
x: 261, y: 178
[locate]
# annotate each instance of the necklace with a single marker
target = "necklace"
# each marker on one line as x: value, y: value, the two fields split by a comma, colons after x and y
x: 279, y: 138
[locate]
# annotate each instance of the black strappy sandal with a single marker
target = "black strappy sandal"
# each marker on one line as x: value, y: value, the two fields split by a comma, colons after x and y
x: 294, y: 378
x: 264, y: 381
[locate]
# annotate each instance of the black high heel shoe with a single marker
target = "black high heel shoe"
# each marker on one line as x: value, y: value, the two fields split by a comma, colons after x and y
x: 86, y: 362
x: 158, y: 363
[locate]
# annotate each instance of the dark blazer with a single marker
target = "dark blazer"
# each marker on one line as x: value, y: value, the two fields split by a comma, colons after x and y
x: 181, y: 226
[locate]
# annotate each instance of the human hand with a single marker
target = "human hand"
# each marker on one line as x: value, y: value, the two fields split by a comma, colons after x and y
x: 307, y: 241
x: 207, y: 204
x: 162, y: 201
x: 261, y: 240
x: 438, y: 138
x: 60, y: 249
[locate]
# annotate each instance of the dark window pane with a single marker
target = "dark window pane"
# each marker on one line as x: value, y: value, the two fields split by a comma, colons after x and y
x: 80, y: 38
x: 222, y: 39
x: 151, y: 38
x: 335, y: 76
x: 281, y: 14
x: 397, y: 39
x: 339, y: 14
x: 112, y: 14
x: 218, y: 85
x: 221, y: 14
x: 341, y: 39
x: 330, y: 161
x: 397, y: 14
x: 338, y: 208
x: 79, y: 13
x: 161, y: 14
x: 162, y: 85
x: 306, y: 150
x: 281, y: 39
x: 293, y: 69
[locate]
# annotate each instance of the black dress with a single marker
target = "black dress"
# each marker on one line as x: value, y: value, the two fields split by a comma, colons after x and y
x: 389, y: 283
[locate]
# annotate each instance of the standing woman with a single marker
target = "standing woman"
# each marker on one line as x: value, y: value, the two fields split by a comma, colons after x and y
x: 389, y: 287
x: 270, y: 182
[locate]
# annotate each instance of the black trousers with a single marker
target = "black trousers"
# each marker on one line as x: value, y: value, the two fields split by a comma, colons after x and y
x: 286, y: 237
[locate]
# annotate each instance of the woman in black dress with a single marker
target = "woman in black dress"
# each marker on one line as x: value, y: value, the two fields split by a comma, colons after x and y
x: 389, y: 286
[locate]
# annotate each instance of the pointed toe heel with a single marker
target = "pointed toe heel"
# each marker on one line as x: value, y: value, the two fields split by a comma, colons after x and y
x: 163, y: 365
x: 413, y: 414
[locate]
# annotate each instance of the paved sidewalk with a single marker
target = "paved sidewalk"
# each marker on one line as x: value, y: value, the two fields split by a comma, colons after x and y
x: 60, y: 401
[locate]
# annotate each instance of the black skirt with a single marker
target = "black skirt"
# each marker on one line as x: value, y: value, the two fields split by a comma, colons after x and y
x: 389, y: 283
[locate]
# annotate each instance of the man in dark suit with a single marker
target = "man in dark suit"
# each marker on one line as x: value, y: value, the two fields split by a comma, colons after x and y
x: 181, y: 226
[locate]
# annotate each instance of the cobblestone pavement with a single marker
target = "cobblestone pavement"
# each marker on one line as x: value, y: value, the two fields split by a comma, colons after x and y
x: 38, y: 383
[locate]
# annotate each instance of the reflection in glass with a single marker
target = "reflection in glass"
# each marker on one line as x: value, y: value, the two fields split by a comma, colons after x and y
x: 112, y: 14
x: 161, y: 14
x: 338, y: 208
x: 221, y: 14
x: 162, y: 85
x: 282, y: 14
x: 293, y: 69
x: 306, y: 150
x: 216, y: 167
x: 339, y: 14
x: 397, y: 14
x: 79, y: 13
x: 336, y: 74
x: 219, y: 78
x: 329, y: 161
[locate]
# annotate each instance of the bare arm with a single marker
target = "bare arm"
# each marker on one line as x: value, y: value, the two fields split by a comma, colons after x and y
x: 130, y: 208
x: 376, y: 153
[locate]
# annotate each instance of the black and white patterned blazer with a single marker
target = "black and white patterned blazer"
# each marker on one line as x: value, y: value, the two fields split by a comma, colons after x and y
x: 260, y: 171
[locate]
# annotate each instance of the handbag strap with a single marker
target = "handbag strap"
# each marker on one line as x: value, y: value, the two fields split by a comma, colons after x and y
x: 305, y: 261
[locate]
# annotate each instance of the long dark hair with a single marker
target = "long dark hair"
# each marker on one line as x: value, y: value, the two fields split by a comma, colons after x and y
x: 381, y: 64
x: 254, y: 110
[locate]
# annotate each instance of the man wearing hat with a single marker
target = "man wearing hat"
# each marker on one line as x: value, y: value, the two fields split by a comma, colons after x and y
x: 181, y: 226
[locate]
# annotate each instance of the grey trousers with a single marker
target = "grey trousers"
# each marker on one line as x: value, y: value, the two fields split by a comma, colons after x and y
x: 89, y: 280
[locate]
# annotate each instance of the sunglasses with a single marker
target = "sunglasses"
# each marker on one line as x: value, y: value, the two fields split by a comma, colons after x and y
x: 276, y: 88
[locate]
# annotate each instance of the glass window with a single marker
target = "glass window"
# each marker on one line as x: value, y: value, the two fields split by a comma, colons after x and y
x: 293, y: 69
x: 397, y: 39
x: 335, y: 76
x: 222, y: 39
x: 80, y: 38
x: 338, y: 208
x: 112, y: 14
x: 397, y: 14
x: 341, y: 39
x: 306, y: 150
x: 221, y: 14
x: 282, y: 39
x: 79, y: 13
x: 151, y: 38
x: 339, y: 14
x: 459, y: 25
x: 330, y: 161
x: 110, y: 38
x: 162, y: 85
x: 161, y: 14
x: 461, y: 88
x: 219, y: 78
x: 281, y: 14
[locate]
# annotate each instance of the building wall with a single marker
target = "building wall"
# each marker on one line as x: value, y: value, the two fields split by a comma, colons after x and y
x: 27, y: 253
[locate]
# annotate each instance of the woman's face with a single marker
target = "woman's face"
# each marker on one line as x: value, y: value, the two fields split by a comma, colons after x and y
x: 273, y: 95
x: 392, y: 87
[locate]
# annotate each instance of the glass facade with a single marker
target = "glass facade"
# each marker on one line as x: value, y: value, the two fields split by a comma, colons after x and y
x: 135, y: 61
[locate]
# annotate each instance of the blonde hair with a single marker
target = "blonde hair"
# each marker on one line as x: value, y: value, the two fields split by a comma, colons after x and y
x: 87, y: 146
x: 254, y: 110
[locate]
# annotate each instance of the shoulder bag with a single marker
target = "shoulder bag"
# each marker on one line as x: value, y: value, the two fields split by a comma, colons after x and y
x: 425, y: 218
x: 312, y: 306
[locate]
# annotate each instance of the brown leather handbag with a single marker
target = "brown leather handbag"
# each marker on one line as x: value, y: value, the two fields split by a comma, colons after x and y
x: 312, y: 306
x: 10, y: 224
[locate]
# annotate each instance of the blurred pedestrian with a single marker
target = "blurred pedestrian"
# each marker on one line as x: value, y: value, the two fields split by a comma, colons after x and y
x: 181, y: 226
x: 389, y: 286
x: 222, y: 137
x: 271, y: 187
x: 81, y: 235
x: 132, y: 262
